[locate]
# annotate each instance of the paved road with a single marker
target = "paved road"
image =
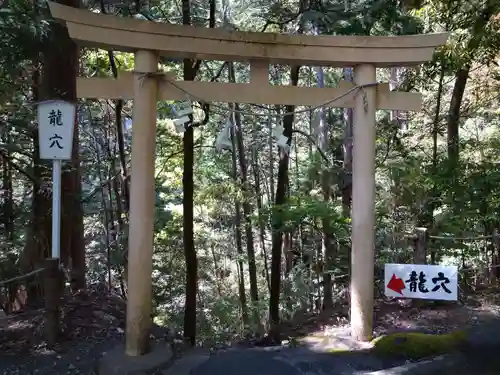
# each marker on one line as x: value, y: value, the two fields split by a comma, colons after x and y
x: 285, y: 361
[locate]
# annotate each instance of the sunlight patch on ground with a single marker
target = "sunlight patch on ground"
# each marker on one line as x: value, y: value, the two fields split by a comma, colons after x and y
x: 333, y: 343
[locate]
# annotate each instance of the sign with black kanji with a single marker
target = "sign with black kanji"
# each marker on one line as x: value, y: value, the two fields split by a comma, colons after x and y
x: 56, y: 121
x: 421, y: 281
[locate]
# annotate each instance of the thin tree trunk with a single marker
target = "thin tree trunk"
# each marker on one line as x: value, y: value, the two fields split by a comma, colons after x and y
x: 454, y: 114
x: 190, y: 69
x: 328, y: 247
x: 188, y: 233
x: 111, y: 187
x: 428, y: 220
x: 262, y: 225
x: 119, y: 133
x: 247, y: 209
x: 218, y: 271
x: 461, y: 77
x: 8, y: 204
x: 347, y: 153
x: 104, y: 208
x: 277, y: 237
x: 237, y: 233
x: 37, y: 246
x: 271, y: 159
x: 347, y: 146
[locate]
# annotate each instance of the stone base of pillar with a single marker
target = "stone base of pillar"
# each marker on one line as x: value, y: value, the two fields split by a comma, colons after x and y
x: 116, y: 362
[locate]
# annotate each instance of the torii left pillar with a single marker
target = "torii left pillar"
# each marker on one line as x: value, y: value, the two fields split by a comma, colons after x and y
x: 142, y: 205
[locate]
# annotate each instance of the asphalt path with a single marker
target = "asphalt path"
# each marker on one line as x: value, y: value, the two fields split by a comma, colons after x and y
x: 290, y: 361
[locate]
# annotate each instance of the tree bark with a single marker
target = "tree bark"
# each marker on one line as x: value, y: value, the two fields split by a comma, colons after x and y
x: 37, y: 246
x: 327, y: 245
x: 277, y: 237
x: 262, y: 225
x: 188, y: 233
x: 8, y: 203
x: 190, y: 70
x: 58, y: 81
x: 477, y: 34
x: 237, y: 233
x: 247, y: 209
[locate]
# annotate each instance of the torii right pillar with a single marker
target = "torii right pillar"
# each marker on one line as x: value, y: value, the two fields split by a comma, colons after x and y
x: 363, y: 205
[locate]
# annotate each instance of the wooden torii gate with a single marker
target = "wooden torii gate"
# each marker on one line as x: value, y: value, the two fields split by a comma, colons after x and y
x: 148, y: 40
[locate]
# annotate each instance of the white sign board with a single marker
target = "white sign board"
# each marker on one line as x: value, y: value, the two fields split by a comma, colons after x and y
x: 421, y: 281
x: 56, y: 120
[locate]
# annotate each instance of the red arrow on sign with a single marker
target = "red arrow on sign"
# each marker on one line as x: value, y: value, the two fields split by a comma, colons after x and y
x: 396, y: 284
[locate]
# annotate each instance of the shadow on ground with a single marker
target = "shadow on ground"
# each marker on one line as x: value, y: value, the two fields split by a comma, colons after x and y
x: 94, y: 326
x: 304, y: 361
x: 291, y: 361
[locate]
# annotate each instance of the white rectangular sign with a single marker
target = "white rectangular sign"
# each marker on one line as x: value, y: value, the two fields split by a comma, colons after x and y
x: 56, y: 120
x: 421, y: 281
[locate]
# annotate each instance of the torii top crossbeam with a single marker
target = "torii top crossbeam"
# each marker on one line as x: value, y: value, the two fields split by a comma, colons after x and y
x: 179, y: 41
x: 261, y: 49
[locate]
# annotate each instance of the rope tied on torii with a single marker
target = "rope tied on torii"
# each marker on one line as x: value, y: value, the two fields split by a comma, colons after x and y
x: 182, y: 110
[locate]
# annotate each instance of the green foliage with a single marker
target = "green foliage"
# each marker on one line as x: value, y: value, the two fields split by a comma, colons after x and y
x: 305, y: 211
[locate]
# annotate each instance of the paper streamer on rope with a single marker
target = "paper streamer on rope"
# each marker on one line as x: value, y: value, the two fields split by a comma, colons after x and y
x: 320, y: 77
x: 223, y: 141
x: 182, y: 110
x: 280, y: 138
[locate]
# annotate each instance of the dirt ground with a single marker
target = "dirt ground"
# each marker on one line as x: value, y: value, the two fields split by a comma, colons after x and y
x: 406, y: 316
x: 84, y: 315
x: 93, y: 322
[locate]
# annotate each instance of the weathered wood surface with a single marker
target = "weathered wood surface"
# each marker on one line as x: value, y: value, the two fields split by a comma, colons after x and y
x: 178, y: 41
x: 123, y: 88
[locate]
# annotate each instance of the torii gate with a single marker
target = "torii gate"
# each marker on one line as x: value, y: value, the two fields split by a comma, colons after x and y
x: 148, y: 40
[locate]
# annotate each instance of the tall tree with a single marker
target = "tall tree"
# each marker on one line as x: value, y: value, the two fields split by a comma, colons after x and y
x: 58, y: 81
x: 237, y: 231
x: 190, y: 69
x: 478, y: 34
x: 247, y: 208
x: 277, y: 233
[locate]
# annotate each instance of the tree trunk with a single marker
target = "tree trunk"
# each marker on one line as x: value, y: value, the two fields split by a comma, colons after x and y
x: 106, y: 212
x: 347, y: 153
x: 190, y: 70
x: 262, y: 225
x: 277, y: 237
x: 247, y: 209
x: 188, y: 233
x: 37, y: 246
x: 454, y: 114
x: 427, y: 219
x: 59, y: 73
x: 125, y: 195
x: 327, y: 245
x: 237, y: 233
x: 8, y: 204
x: 461, y: 77
x: 58, y: 81
x: 113, y: 183
x: 271, y: 159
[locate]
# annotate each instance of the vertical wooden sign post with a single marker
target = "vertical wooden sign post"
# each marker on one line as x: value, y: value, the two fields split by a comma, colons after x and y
x: 56, y: 121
